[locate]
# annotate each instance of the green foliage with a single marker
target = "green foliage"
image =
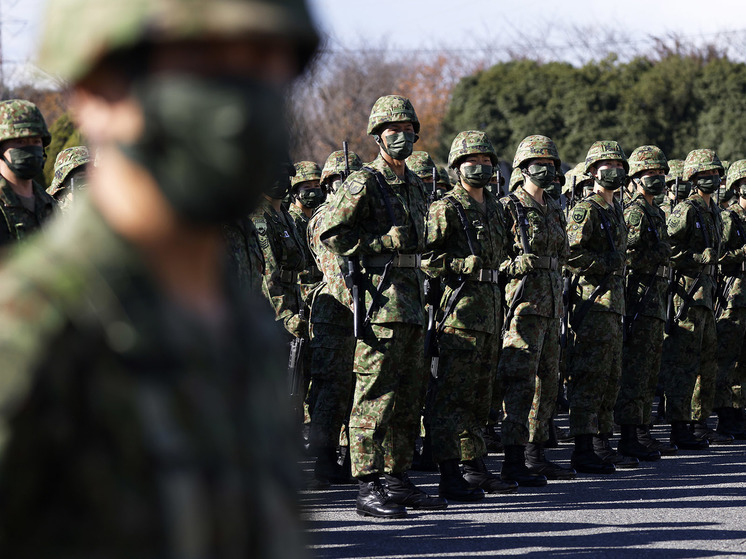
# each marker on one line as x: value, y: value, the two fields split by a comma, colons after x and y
x: 64, y: 135
x: 679, y: 103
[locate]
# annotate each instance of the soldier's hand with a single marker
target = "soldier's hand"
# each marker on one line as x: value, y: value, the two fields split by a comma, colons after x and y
x: 395, y: 238
x: 664, y: 249
x: 616, y: 261
x: 471, y: 264
x: 708, y: 256
x: 297, y: 326
x: 525, y: 263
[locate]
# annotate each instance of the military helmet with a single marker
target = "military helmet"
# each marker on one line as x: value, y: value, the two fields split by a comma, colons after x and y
x: 675, y: 170
x: 421, y: 164
x: 580, y: 176
x: 67, y: 161
x: 335, y: 164
x: 443, y: 177
x: 536, y: 147
x: 119, y: 26
x: 516, y: 180
x: 605, y: 150
x: 646, y: 158
x: 305, y: 171
x: 700, y: 160
x: 470, y: 142
x: 392, y: 108
x: 22, y: 119
x: 736, y: 172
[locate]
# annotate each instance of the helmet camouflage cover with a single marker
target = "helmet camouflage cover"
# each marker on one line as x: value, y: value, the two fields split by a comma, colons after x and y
x: 646, y: 158
x: 22, y: 119
x: 470, y: 142
x: 122, y: 25
x: 605, y: 150
x: 516, y: 180
x: 675, y: 170
x: 335, y: 164
x: 701, y: 160
x: 536, y: 147
x: 392, y: 108
x: 67, y: 161
x: 305, y: 171
x: 443, y: 177
x: 736, y: 171
x: 421, y: 164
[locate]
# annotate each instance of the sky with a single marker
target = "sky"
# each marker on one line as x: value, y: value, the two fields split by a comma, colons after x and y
x: 453, y: 26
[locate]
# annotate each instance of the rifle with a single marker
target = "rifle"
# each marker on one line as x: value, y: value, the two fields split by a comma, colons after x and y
x: 295, y: 372
x: 354, y: 277
x: 521, y: 225
x: 433, y: 293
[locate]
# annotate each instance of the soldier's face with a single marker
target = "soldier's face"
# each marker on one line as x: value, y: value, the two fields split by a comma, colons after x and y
x: 396, y: 127
x: 476, y: 159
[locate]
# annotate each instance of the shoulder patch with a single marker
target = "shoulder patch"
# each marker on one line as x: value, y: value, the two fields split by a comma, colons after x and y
x: 635, y: 218
x: 261, y: 225
x: 579, y: 214
x: 356, y: 188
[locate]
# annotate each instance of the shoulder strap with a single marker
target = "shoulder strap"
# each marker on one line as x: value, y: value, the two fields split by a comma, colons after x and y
x: 605, y: 225
x: 384, y: 188
x: 700, y: 223
x: 464, y: 221
x: 522, y: 224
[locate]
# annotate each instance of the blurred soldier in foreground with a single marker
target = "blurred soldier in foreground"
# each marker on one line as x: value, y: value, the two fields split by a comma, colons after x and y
x: 24, y: 205
x: 141, y: 412
x: 69, y: 180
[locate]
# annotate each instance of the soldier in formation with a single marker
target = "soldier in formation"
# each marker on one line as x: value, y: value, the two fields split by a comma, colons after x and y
x: 69, y: 180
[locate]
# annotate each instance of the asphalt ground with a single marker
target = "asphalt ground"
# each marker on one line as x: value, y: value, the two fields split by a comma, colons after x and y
x: 689, y: 505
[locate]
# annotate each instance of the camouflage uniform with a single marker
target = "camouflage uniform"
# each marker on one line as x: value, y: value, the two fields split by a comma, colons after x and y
x: 245, y: 256
x: 68, y: 161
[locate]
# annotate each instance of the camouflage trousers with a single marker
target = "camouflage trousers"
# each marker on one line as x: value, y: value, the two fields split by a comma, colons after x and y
x: 731, y: 357
x: 690, y: 366
x: 389, y: 394
x: 641, y: 362
x: 332, y: 381
x: 530, y: 348
x: 459, y: 399
x: 594, y: 366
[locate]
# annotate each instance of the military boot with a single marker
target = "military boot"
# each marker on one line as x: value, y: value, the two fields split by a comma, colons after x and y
x: 454, y: 487
x: 403, y: 492
x: 682, y: 437
x: 492, y: 439
x: 537, y: 463
x: 630, y: 446
x: 651, y: 443
x: 702, y: 431
x: 602, y: 448
x: 327, y: 470
x: 728, y: 423
x: 552, y: 442
x: 477, y: 475
x: 514, y: 468
x: 374, y: 500
x: 585, y: 461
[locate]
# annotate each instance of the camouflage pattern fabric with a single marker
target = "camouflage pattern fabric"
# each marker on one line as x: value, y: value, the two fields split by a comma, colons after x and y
x: 16, y: 221
x: 605, y: 150
x: 700, y: 160
x: 545, y: 400
x: 391, y: 108
x: 107, y: 386
x: 421, y: 164
x: 536, y: 147
x: 305, y: 171
x: 335, y: 164
x: 245, y: 257
x: 641, y: 362
x: 22, y: 119
x: 310, y: 277
x: 67, y: 161
x: 333, y: 268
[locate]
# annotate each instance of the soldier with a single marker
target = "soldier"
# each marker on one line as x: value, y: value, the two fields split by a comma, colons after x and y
x: 24, y: 205
x: 689, y: 358
x: 69, y: 180
x: 730, y: 310
x: 334, y: 169
x: 141, y: 409
x: 496, y: 184
x: 598, y: 240
x: 528, y: 371
x: 378, y: 216
x: 648, y: 254
x: 444, y: 182
x: 465, y: 244
x: 676, y: 190
x: 421, y: 164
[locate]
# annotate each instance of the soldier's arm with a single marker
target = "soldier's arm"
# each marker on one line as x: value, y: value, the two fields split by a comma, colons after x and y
x: 638, y: 254
x: 583, y: 258
x: 513, y: 246
x: 442, y: 226
x: 564, y: 251
x: 733, y: 250
x: 679, y: 226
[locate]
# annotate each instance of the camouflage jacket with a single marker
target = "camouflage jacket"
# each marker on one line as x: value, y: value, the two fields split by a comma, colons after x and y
x: 545, y: 228
x: 647, y: 254
x: 16, y: 222
x: 311, y: 275
x: 332, y: 302
x: 284, y: 259
x: 733, y: 255
x: 245, y: 257
x: 688, y: 240
x: 128, y: 422
x: 357, y: 221
x: 479, y: 305
x: 591, y: 257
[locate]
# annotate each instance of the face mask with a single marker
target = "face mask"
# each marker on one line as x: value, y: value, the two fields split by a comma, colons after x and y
x: 279, y: 188
x: 709, y: 184
x: 399, y: 145
x: 210, y: 143
x: 311, y: 197
x: 334, y: 185
x: 611, y: 179
x: 494, y: 188
x: 554, y: 190
x: 742, y: 190
x: 659, y: 198
x: 726, y: 195
x: 684, y: 190
x: 477, y: 176
x: 25, y: 162
x: 541, y: 175
x: 654, y: 185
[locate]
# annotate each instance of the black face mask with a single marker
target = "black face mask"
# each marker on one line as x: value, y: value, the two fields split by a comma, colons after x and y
x: 611, y: 179
x: 708, y: 184
x: 554, y: 190
x: 311, y: 197
x: 399, y: 145
x: 280, y: 187
x: 654, y: 185
x: 477, y: 176
x: 26, y: 162
x: 542, y: 175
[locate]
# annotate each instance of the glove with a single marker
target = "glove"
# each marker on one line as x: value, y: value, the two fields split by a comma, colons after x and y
x: 615, y: 262
x: 471, y: 264
x: 525, y: 263
x: 395, y: 238
x: 664, y: 249
x: 297, y: 326
x: 709, y: 256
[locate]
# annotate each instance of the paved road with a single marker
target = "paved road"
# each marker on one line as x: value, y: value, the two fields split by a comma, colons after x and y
x: 689, y: 505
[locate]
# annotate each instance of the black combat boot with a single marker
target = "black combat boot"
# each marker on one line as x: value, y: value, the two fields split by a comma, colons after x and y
x: 537, y: 463
x: 728, y: 423
x: 702, y: 431
x: 403, y: 492
x: 477, y: 475
x: 630, y: 446
x: 492, y: 439
x: 374, y: 500
x: 602, y: 448
x: 454, y: 487
x: 585, y: 461
x: 327, y: 470
x: 651, y: 443
x: 682, y: 437
x: 514, y: 468
x: 552, y: 442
